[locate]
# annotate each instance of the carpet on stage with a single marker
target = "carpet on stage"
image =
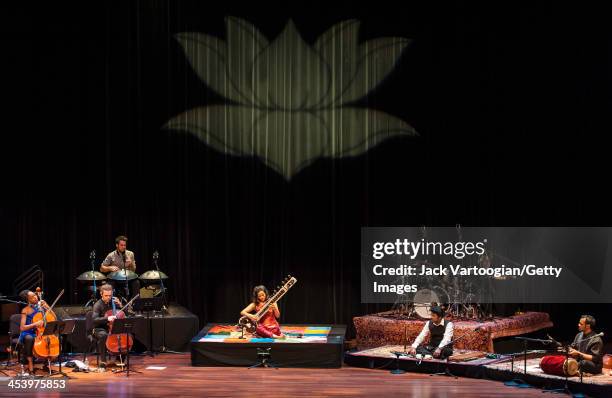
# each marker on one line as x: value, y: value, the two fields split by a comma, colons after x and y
x: 307, y: 346
x: 483, y: 365
x: 533, y: 369
x: 385, y: 328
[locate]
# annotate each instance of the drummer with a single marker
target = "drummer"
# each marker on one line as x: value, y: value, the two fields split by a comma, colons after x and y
x: 121, y: 259
x: 587, y: 347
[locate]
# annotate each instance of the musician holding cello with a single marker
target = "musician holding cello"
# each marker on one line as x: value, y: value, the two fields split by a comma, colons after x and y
x: 101, y: 320
x: 28, y: 326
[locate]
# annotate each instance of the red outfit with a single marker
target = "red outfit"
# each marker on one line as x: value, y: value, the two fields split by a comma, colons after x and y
x: 267, y: 325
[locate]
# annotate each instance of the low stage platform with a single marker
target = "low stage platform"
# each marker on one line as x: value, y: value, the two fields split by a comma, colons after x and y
x: 384, y: 328
x: 494, y: 367
x: 306, y: 346
x: 175, y: 329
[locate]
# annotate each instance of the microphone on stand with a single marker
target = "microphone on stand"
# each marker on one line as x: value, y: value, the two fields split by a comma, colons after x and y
x: 553, y: 340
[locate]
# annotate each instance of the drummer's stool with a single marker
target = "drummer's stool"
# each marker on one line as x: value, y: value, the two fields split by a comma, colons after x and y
x: 91, y: 338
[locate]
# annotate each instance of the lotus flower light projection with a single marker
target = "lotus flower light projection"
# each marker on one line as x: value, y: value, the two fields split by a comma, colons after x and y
x: 287, y: 102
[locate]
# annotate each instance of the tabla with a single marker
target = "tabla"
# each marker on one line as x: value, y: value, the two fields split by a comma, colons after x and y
x: 559, y: 365
x: 122, y: 275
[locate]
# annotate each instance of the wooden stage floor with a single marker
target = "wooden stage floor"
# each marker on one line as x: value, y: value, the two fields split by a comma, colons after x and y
x: 180, y: 379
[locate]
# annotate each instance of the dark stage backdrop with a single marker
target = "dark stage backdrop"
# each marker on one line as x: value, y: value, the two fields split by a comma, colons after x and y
x: 511, y: 106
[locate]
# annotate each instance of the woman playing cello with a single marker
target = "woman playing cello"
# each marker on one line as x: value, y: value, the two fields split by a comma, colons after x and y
x: 27, y: 327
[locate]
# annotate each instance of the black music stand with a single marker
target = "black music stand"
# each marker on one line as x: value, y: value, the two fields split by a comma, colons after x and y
x: 120, y: 326
x: 66, y: 328
x: 150, y: 305
x: 55, y: 328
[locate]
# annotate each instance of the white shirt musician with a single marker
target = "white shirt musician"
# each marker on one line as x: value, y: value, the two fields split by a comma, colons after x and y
x: 440, y: 332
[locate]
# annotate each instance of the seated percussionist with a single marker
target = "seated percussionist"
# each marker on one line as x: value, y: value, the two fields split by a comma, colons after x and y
x: 586, y: 349
x: 101, y: 320
x: 267, y: 325
x: 440, y: 332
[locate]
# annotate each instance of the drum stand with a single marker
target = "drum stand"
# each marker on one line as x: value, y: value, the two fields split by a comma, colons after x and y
x: 165, y: 306
x: 93, y: 298
x: 127, y: 283
x: 264, y: 356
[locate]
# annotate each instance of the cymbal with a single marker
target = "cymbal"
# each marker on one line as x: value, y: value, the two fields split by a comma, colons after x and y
x: 91, y: 275
x: 123, y: 275
x: 153, y: 275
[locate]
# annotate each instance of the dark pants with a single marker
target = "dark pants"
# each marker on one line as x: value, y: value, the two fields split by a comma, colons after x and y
x: 429, y: 350
x: 589, y: 367
x: 101, y: 335
x: 28, y: 342
x: 119, y: 287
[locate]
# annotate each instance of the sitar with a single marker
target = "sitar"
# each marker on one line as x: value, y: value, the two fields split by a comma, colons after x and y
x: 249, y: 324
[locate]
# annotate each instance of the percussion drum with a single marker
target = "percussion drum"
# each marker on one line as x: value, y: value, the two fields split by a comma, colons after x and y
x: 88, y: 276
x: 559, y: 366
x: 607, y: 361
x: 423, y: 300
x: 153, y: 276
x: 123, y: 275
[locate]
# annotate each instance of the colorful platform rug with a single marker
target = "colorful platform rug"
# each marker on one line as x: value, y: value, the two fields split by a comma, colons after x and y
x: 293, y: 334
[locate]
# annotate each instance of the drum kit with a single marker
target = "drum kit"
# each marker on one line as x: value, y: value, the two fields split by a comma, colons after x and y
x: 458, y: 297
x: 152, y: 282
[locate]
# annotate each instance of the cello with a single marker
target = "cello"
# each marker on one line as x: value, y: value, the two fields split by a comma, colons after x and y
x: 45, y: 347
x: 118, y: 343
